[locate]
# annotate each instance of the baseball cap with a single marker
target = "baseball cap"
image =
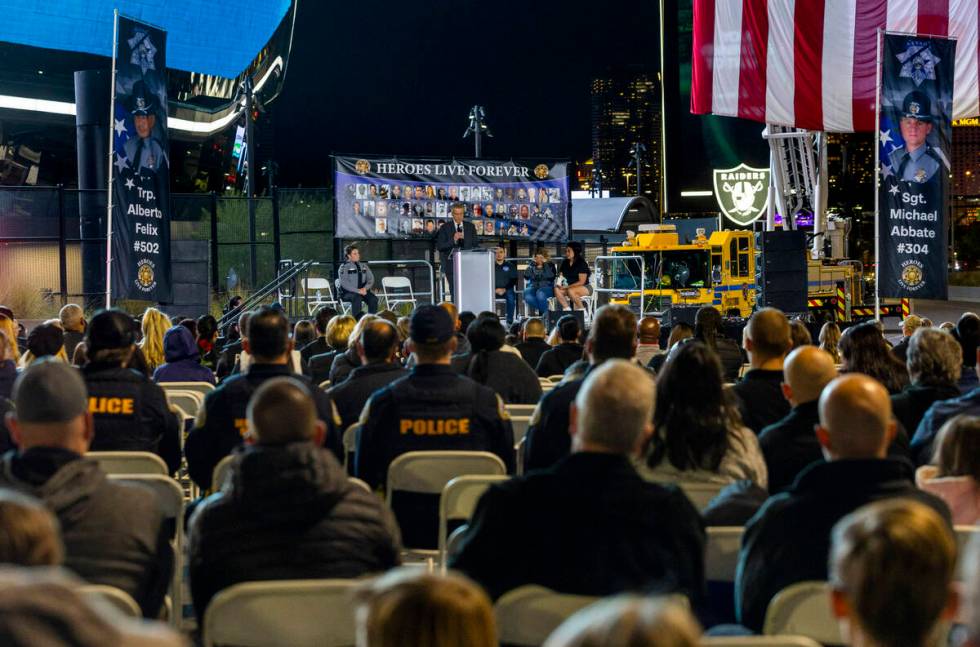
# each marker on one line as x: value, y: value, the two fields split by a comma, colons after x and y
x: 45, y: 339
x: 109, y: 329
x: 431, y: 325
x: 49, y: 391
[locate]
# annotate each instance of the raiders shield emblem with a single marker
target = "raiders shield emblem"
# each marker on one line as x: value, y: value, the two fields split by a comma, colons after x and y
x: 742, y: 193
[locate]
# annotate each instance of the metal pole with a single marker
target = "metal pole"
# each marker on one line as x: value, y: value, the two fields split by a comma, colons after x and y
x: 215, y: 279
x: 878, y: 37
x: 478, y: 131
x: 276, y: 244
x: 62, y: 247
x: 636, y: 159
x: 112, y: 107
x: 250, y: 179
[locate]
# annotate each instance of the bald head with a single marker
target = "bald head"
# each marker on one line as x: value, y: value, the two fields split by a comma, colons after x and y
x: 806, y: 372
x: 855, y: 418
x: 767, y: 337
x: 281, y: 411
x: 649, y: 330
x: 534, y: 329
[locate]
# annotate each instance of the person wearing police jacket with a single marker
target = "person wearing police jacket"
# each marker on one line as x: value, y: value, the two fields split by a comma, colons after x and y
x: 432, y: 408
x: 221, y: 424
x: 356, y: 281
x: 130, y: 411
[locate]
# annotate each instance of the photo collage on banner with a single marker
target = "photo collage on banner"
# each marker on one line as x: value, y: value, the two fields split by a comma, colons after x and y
x: 140, y: 166
x: 405, y: 199
x: 915, y: 128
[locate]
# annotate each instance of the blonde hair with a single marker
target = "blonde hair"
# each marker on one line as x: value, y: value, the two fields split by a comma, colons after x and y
x: 338, y: 331
x: 8, y: 343
x: 829, y: 338
x: 29, y: 533
x: 155, y: 325
x: 894, y: 561
x: 355, y: 334
x: 28, y: 357
x: 408, y: 608
x: 629, y: 621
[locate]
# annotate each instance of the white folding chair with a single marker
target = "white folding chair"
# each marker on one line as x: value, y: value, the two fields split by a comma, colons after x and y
x: 529, y: 614
x: 454, y: 543
x: 721, y: 553
x: 298, y: 613
x: 129, y: 462
x: 350, y: 446
x: 190, y: 401
x: 198, y: 387
x: 314, y: 290
x: 555, y: 379
x: 359, y: 483
x: 220, y: 472
x: 520, y: 409
x: 803, y: 609
x: 700, y: 494
x: 520, y: 425
x: 397, y: 290
x: 325, y: 385
x: 100, y: 595
x: 964, y: 534
x: 458, y: 501
x: 171, y: 498
x: 519, y: 455
x: 758, y: 641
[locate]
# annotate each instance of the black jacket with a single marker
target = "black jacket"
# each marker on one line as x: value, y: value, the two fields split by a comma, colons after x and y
x: 588, y: 525
x: 226, y: 360
x: 114, y: 533
x: 342, y: 366
x: 532, y: 350
x: 788, y: 541
x: 791, y: 444
x: 505, y: 275
x: 351, y: 396
x: 556, y: 360
x: 444, y: 238
x: 432, y: 408
x: 735, y: 504
x: 320, y: 366
x: 8, y: 374
x: 131, y: 414
x: 547, y: 440
x: 507, y: 374
x: 287, y: 512
x: 316, y: 347
x: 901, y: 349
x: 910, y: 405
x: 222, y: 424
x: 731, y: 357
x: 760, y: 399
x: 72, y: 339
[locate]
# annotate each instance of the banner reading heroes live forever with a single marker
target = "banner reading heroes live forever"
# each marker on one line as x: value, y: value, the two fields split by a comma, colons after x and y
x: 408, y: 198
x: 915, y: 128
x: 140, y: 166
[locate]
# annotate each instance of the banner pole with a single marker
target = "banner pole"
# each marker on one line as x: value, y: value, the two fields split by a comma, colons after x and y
x: 878, y: 38
x: 112, y: 123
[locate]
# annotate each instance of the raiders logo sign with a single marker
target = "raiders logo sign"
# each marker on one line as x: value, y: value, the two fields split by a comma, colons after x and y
x: 742, y: 193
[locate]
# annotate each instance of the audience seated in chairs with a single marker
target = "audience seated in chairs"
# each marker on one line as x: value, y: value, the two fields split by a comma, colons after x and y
x: 221, y: 423
x: 339, y: 330
x: 612, y: 336
x: 940, y: 412
x: 891, y: 574
x: 73, y: 324
x: 30, y: 533
x: 183, y: 359
x: 648, y: 334
x: 130, y: 411
x: 566, y: 353
x: 347, y: 361
x: 629, y: 620
x: 320, y: 345
x: 377, y: 348
x: 45, y: 340
x: 532, y: 344
x: 506, y: 373
x: 590, y: 525
x: 707, y: 328
x: 767, y: 339
x: 910, y: 324
x: 288, y: 510
x: 954, y: 475
x: 678, y: 333
x: 113, y: 533
x: 788, y: 540
x: 967, y: 333
x: 8, y: 363
x: 863, y: 349
x: 233, y: 346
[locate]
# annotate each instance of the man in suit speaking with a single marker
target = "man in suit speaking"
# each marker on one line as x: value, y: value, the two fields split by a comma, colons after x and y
x: 452, y: 236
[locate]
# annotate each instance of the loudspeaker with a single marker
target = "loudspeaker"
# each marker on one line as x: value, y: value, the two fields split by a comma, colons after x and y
x: 680, y: 314
x: 555, y: 315
x: 784, y: 270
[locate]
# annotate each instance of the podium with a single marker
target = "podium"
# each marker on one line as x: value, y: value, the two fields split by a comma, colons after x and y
x: 473, y: 274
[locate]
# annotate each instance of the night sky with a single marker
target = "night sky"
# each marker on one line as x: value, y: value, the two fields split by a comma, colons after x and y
x: 379, y: 77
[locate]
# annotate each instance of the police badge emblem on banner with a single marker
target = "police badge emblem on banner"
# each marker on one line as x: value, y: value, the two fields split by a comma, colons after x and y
x: 140, y: 183
x: 914, y: 131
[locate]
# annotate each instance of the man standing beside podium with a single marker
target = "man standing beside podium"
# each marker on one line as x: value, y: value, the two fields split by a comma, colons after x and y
x: 451, y: 237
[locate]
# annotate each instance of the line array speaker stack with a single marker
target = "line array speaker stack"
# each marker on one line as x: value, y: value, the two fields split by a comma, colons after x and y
x: 784, y: 271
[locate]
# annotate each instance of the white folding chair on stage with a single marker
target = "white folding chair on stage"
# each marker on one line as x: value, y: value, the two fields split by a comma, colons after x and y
x: 458, y: 501
x: 529, y: 614
x: 129, y: 463
x: 297, y: 613
x: 397, y: 290
x: 318, y: 293
x: 700, y: 494
x: 103, y: 594
x: 721, y: 553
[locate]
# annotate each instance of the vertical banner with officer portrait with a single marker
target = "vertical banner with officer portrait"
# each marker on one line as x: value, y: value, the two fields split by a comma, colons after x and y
x: 140, y: 174
x: 914, y: 131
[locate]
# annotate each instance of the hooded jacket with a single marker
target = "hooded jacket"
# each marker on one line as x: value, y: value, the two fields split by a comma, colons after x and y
x: 114, y: 533
x: 287, y: 512
x: 183, y: 359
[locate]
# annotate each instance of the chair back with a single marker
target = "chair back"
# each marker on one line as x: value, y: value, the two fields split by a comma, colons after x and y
x: 453, y: 544
x: 298, y: 613
x: 325, y: 385
x: 190, y: 401
x: 520, y: 424
x: 220, y: 472
x: 803, y: 609
x: 964, y: 534
x: 198, y: 387
x: 359, y: 483
x: 429, y: 472
x: 758, y: 641
x: 700, y: 494
x: 520, y: 409
x: 99, y: 595
x: 458, y: 502
x: 721, y: 554
x: 396, y: 283
x: 311, y: 285
x: 129, y: 462
x: 350, y: 446
x: 529, y: 614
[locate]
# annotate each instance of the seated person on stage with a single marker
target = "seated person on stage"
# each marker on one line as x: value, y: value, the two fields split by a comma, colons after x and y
x: 130, y: 411
x: 432, y: 408
x: 566, y: 353
x: 378, y: 349
x: 114, y: 533
x: 533, y: 345
x: 356, y: 281
x: 288, y: 511
x: 766, y: 339
x: 575, y: 270
x: 589, y: 524
x: 221, y: 424
x: 539, y: 282
x: 505, y: 281
x: 788, y: 541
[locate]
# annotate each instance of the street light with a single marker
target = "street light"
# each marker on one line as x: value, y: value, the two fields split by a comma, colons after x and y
x: 477, y: 128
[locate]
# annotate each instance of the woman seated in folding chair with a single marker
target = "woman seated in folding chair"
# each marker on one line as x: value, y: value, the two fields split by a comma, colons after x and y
x: 356, y: 280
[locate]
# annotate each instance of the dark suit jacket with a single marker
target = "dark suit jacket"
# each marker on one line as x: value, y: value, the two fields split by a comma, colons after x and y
x: 760, y: 398
x: 790, y: 444
x: 444, y: 237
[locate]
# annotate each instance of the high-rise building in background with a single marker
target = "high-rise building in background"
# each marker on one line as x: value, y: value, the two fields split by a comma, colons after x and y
x: 850, y: 172
x: 965, y: 155
x: 626, y: 110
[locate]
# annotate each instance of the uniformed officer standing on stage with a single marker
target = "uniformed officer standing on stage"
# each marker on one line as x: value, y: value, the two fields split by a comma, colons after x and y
x: 356, y: 281
x: 917, y: 161
x: 432, y: 408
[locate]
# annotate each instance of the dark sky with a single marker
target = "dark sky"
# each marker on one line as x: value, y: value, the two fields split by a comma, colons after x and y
x: 377, y: 77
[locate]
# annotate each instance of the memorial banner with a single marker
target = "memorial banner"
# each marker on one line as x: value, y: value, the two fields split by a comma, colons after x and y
x: 405, y: 198
x: 140, y: 175
x: 915, y: 127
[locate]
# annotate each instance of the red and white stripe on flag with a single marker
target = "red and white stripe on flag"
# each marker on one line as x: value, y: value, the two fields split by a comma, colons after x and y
x: 811, y: 63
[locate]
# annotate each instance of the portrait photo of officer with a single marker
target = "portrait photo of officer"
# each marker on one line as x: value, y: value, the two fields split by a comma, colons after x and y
x: 144, y: 152
x: 917, y: 161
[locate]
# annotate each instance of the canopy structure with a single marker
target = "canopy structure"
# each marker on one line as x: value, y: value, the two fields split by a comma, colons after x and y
x: 601, y: 216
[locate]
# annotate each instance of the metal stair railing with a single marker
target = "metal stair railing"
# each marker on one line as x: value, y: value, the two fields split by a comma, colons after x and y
x: 265, y: 291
